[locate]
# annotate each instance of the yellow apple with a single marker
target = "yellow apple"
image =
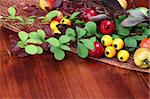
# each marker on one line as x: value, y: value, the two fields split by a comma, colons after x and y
x: 43, y: 4
x: 123, y: 4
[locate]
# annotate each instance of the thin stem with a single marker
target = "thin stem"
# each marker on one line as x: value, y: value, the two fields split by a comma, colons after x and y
x: 134, y: 34
x: 147, y: 62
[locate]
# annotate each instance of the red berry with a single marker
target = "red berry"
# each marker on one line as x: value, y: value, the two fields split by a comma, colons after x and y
x: 88, y: 13
x: 91, y: 53
x: 98, y: 51
x: 107, y: 27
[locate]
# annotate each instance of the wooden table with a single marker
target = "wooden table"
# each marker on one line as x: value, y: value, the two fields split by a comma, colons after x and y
x: 42, y: 77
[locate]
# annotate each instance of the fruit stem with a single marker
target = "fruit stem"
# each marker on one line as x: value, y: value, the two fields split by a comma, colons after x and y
x: 147, y: 62
x: 133, y: 34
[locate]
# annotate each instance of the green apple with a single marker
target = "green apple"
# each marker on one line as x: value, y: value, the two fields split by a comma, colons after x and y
x: 142, y: 57
x: 144, y: 10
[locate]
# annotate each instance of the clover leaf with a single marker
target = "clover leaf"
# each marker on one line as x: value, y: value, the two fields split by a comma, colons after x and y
x: 70, y: 33
x: 59, y: 54
x: 74, y: 15
x: 53, y: 41
x: 88, y: 43
x: 65, y: 47
x: 82, y: 51
x: 23, y: 36
x: 64, y: 39
x: 91, y: 28
x: 31, y: 49
x: 11, y: 11
x: 80, y: 32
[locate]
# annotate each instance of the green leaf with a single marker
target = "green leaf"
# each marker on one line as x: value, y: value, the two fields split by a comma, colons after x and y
x: 144, y: 28
x: 88, y: 43
x: 147, y: 32
x: 59, y: 54
x: 142, y: 25
x: 123, y: 31
x: 74, y: 15
x: 80, y: 32
x: 41, y: 33
x: 34, y: 35
x: 19, y: 18
x: 51, y: 15
x: 34, y: 41
x: 93, y: 39
x: 31, y: 49
x: 64, y: 39
x: 120, y: 19
x: 11, y: 17
x: 115, y: 36
x: 39, y: 50
x: 31, y: 20
x: 139, y: 38
x: 82, y: 51
x: 91, y: 28
x: 41, y: 17
x: 11, y: 11
x: 23, y: 36
x: 130, y: 49
x: 31, y: 17
x: 53, y: 41
x: 130, y: 42
x: 53, y: 48
x: 70, y: 33
x: 65, y: 47
x: 20, y: 44
x: 99, y: 35
x: 79, y: 22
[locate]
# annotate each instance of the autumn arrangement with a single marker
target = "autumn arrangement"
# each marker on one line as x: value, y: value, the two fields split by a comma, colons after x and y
x: 99, y: 29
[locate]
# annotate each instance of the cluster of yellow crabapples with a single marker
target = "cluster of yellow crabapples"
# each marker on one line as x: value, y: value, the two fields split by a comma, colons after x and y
x: 115, y: 47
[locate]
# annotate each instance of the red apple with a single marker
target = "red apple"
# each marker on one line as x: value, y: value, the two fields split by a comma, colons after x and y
x: 107, y: 27
x: 59, y: 17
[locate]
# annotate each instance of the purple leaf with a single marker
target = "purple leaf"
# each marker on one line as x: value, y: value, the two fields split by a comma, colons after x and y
x: 57, y: 3
x: 131, y: 21
x: 136, y: 13
x: 15, y: 49
x: 99, y: 17
x: 22, y: 54
x: 48, y: 30
x: 45, y: 46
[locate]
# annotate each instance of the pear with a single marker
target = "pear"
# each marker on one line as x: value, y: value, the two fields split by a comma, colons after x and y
x: 123, y: 4
x: 43, y: 4
x: 142, y: 57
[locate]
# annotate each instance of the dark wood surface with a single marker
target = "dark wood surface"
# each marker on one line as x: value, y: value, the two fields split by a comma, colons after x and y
x: 42, y: 77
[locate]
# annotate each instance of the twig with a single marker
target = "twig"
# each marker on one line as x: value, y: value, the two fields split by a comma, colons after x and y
x: 134, y: 34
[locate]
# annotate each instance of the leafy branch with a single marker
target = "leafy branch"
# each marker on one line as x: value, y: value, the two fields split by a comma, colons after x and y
x: 13, y: 16
x: 132, y: 28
